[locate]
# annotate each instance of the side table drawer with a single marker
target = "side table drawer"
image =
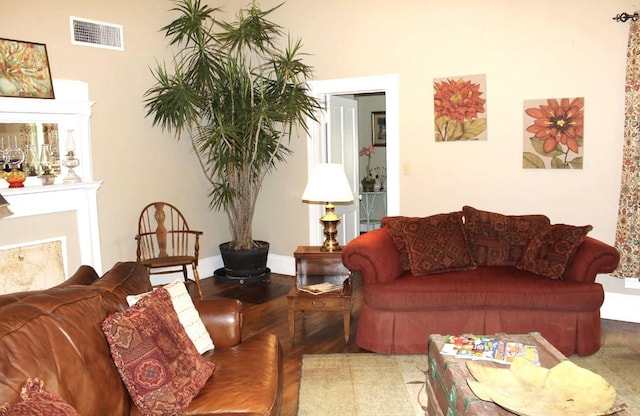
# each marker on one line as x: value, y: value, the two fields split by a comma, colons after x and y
x: 320, y: 302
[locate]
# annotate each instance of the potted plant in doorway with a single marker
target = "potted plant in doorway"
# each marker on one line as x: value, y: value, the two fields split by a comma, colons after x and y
x: 238, y: 96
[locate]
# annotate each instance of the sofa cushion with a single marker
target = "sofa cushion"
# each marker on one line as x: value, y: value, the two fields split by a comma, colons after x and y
x: 500, y: 240
x: 484, y: 288
x: 437, y: 243
x: 158, y: 363
x: 187, y: 314
x: 396, y: 227
x: 36, y: 401
x: 551, y: 248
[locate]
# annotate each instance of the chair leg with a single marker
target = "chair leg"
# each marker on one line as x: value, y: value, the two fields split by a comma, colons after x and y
x: 196, y: 277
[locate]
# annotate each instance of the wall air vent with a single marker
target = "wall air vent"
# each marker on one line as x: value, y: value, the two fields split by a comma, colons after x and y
x: 97, y: 34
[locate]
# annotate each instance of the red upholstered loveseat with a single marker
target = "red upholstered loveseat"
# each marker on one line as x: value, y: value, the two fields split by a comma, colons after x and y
x: 478, y: 272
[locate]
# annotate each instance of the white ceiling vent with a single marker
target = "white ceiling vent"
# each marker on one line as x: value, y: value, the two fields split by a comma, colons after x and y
x: 97, y: 34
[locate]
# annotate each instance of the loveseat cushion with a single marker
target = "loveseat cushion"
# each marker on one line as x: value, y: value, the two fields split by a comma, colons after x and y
x: 437, y: 243
x: 500, y: 240
x: 157, y: 361
x: 486, y: 287
x: 552, y: 247
x: 396, y: 227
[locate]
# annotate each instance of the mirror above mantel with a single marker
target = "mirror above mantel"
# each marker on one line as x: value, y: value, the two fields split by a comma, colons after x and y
x: 32, y: 138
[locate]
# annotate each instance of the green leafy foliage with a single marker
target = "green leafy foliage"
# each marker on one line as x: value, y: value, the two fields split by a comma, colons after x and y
x: 452, y: 130
x: 558, y: 157
x: 238, y: 96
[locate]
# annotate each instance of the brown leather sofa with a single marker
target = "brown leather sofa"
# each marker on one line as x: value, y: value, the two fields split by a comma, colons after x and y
x: 55, y: 335
x: 401, y: 309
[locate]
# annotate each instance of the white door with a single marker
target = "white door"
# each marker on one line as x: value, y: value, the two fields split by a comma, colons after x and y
x: 342, y: 147
x: 318, y: 149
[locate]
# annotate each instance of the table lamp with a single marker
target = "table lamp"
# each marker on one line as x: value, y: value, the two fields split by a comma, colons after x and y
x: 328, y: 184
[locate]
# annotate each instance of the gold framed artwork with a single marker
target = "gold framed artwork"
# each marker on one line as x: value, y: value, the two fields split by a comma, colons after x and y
x: 379, y: 128
x: 24, y: 70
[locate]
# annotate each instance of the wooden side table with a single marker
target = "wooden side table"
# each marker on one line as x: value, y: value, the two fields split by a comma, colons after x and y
x: 315, y: 266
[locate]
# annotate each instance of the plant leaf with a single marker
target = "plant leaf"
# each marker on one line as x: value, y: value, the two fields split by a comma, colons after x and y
x: 473, y: 128
x: 532, y: 161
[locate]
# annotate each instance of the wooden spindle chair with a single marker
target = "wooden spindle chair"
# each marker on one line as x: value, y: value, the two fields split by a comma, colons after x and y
x: 166, y: 244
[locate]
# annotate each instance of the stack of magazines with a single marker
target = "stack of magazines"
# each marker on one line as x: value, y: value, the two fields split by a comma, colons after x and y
x: 320, y: 288
x: 488, y: 348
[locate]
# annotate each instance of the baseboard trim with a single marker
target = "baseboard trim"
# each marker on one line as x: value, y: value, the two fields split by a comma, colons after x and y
x: 620, y: 307
x: 207, y: 266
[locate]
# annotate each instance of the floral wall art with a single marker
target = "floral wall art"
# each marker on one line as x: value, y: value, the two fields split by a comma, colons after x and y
x: 460, y: 110
x: 554, y: 133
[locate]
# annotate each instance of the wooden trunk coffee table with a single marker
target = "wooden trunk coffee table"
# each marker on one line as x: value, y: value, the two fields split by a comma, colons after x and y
x: 447, y: 389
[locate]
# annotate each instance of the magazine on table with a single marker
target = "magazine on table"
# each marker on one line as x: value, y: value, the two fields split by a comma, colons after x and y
x: 487, y: 348
x: 319, y: 288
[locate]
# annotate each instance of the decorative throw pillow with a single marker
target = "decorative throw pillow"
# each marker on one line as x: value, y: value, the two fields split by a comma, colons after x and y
x: 500, y: 240
x: 551, y: 249
x: 437, y: 244
x: 395, y: 226
x: 36, y: 401
x: 187, y: 315
x: 159, y: 365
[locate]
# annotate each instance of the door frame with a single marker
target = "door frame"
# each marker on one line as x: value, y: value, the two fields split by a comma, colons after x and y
x: 387, y: 84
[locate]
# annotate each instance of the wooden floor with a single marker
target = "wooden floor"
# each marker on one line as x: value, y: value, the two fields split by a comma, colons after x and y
x: 322, y: 332
x: 318, y: 333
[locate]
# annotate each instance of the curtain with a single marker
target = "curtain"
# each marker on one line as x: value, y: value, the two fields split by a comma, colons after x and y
x: 628, y: 226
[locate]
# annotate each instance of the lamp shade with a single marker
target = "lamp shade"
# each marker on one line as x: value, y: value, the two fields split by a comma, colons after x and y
x: 328, y: 183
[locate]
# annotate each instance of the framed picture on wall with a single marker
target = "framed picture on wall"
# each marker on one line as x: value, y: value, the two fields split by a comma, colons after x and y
x: 378, y: 128
x: 25, y: 70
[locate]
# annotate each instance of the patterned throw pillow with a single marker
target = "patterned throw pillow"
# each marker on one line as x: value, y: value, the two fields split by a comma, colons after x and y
x: 437, y: 244
x: 158, y: 363
x: 396, y: 227
x: 550, y: 249
x: 37, y: 402
x: 500, y: 240
x: 187, y: 315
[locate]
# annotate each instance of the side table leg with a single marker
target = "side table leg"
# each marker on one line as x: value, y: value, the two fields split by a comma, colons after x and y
x: 347, y: 323
x: 292, y: 323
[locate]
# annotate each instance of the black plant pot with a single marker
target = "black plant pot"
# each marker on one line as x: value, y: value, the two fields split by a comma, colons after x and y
x: 243, y: 266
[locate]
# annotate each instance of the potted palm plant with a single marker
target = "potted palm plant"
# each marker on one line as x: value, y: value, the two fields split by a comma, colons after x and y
x: 237, y: 90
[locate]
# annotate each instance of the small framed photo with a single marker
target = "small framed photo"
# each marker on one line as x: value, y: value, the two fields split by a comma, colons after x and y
x: 25, y: 70
x: 379, y: 128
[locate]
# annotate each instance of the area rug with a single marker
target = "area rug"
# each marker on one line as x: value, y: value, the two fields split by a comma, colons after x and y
x: 256, y: 292
x: 376, y: 384
x: 620, y: 366
x: 362, y: 385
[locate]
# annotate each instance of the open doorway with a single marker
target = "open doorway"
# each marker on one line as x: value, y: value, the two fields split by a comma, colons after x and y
x: 372, y: 195
x: 320, y: 147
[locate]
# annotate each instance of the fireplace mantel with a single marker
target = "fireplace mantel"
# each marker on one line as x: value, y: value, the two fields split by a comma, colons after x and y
x: 71, y: 110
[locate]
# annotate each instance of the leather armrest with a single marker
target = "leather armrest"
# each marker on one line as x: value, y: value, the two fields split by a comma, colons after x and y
x: 223, y: 320
x: 591, y: 258
x: 374, y: 255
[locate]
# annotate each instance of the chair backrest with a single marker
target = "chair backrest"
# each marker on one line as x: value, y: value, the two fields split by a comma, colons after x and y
x: 163, y: 231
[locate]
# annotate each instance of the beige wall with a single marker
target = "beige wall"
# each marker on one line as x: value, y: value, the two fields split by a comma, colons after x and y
x: 527, y: 50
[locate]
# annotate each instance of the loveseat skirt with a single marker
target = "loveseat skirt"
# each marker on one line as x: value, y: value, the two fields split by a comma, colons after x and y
x: 407, y: 332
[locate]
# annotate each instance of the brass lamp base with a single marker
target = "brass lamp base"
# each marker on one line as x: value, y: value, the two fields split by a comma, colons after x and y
x: 330, y: 221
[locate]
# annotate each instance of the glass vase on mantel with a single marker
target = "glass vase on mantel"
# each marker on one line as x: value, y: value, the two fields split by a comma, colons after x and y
x: 368, y: 184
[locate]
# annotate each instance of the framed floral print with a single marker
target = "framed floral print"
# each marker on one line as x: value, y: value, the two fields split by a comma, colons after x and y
x: 24, y: 70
